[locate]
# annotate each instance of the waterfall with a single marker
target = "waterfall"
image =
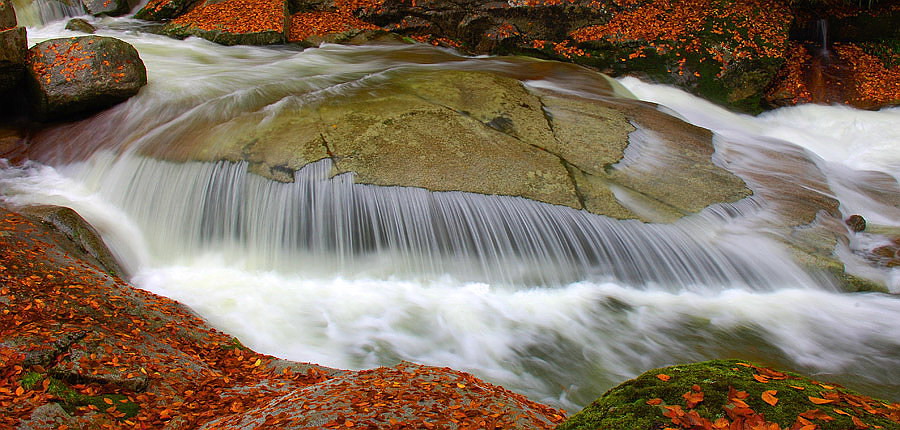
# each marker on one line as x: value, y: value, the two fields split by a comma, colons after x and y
x: 551, y: 302
x: 34, y: 13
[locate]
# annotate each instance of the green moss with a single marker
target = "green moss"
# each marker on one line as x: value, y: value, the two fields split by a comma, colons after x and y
x: 625, y: 406
x: 31, y: 380
x: 71, y: 399
x: 235, y: 344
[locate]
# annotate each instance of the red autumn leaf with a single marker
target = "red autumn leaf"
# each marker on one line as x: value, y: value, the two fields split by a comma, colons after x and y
x: 769, y: 397
x: 654, y: 402
x: 663, y: 377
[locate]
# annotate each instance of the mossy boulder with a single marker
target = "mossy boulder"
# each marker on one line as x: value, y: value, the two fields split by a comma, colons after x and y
x: 719, y: 393
x: 82, y: 74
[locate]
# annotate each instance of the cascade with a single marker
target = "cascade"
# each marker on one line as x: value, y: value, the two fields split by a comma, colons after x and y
x: 551, y: 302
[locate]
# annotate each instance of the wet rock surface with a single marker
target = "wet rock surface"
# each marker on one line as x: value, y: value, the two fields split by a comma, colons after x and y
x: 82, y: 74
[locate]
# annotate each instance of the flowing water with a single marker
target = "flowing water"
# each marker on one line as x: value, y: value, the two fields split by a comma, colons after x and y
x: 548, y: 301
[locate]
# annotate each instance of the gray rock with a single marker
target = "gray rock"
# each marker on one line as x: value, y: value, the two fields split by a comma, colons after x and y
x: 80, y: 25
x: 82, y: 74
x: 486, y: 133
x: 164, y: 10
x: 107, y: 7
x: 13, y: 48
x: 7, y: 15
x: 79, y: 231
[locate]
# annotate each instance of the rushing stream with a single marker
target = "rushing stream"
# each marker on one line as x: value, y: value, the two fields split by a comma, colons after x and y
x: 554, y: 303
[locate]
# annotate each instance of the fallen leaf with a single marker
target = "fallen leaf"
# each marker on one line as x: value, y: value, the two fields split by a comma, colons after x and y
x: 769, y: 397
x: 663, y: 377
x: 654, y: 402
x: 819, y: 401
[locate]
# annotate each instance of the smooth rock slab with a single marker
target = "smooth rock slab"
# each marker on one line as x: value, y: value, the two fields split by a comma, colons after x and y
x: 82, y: 74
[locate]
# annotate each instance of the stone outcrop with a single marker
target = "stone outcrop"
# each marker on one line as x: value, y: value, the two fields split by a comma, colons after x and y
x: 82, y: 74
x: 487, y: 133
x: 83, y: 349
x: 13, y: 48
x: 228, y: 23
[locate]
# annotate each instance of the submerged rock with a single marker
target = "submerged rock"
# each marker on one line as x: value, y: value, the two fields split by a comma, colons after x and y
x: 82, y: 74
x: 732, y: 394
x: 229, y: 23
x: 80, y: 25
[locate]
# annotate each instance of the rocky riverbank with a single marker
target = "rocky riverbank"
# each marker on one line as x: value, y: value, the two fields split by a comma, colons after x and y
x: 81, y: 348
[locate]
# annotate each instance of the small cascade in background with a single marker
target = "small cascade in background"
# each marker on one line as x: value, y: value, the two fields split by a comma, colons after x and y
x: 37, y: 13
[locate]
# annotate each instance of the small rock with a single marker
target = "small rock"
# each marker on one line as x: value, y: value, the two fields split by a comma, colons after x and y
x: 80, y: 25
x: 82, y: 74
x: 856, y: 223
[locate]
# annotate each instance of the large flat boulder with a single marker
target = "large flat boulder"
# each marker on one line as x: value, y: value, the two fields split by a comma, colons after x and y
x: 486, y: 133
x: 82, y: 74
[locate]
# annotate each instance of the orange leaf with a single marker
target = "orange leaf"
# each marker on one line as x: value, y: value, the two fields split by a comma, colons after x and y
x: 654, y: 402
x: 108, y: 401
x: 819, y: 401
x: 20, y: 391
x: 692, y: 398
x: 816, y: 414
x: 841, y: 412
x: 663, y: 377
x: 858, y: 423
x: 769, y: 397
x: 797, y: 387
x: 761, y: 378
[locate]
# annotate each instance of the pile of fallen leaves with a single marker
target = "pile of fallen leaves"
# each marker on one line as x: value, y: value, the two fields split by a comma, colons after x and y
x: 306, y: 24
x: 723, y: 31
x: 82, y: 349
x: 237, y: 16
x: 733, y: 395
x: 874, y: 83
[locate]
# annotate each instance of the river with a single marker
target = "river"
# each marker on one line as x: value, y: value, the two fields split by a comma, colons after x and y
x: 584, y: 303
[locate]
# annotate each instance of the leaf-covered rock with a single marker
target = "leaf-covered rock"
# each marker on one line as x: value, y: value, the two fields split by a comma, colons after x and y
x: 82, y: 74
x: 728, y: 394
x: 80, y: 348
x: 235, y: 22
